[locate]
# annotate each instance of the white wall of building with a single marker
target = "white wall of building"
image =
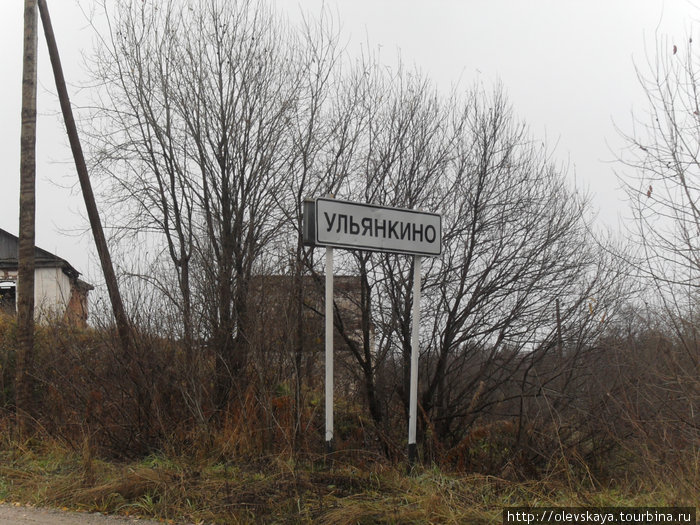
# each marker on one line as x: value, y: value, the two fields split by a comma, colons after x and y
x: 51, y: 293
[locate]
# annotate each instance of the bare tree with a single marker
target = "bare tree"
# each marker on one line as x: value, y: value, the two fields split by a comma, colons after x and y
x: 322, y: 132
x: 218, y: 121
x: 401, y: 157
x: 516, y: 240
x: 199, y: 102
x: 662, y: 180
x: 664, y: 184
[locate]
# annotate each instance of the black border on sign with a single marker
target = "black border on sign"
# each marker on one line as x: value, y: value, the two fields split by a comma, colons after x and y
x: 372, y: 248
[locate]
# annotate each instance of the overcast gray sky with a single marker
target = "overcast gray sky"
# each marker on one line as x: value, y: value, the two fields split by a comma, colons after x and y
x: 567, y: 67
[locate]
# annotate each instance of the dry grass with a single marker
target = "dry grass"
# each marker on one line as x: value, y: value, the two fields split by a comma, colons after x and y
x: 242, y: 470
x: 284, y: 490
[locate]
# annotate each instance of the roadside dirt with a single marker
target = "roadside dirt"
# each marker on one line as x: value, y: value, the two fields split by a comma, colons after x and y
x: 19, y: 515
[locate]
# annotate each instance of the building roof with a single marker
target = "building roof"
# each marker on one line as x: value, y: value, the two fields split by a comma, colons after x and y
x: 9, y: 247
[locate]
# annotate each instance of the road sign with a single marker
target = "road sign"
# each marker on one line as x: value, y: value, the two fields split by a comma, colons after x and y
x: 342, y: 224
x: 351, y: 225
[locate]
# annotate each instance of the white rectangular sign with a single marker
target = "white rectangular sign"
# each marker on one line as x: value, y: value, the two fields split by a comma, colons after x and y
x: 358, y: 226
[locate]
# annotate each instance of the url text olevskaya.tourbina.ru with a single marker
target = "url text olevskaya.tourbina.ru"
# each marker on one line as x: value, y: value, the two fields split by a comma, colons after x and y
x: 599, y: 516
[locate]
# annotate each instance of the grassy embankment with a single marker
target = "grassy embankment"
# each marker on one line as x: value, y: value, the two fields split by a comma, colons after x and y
x: 283, y: 490
x: 228, y: 476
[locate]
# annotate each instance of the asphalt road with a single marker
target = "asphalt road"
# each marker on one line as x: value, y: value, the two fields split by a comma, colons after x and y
x: 13, y: 515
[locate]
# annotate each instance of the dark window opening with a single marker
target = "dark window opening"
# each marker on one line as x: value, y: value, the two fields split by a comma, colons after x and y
x: 7, y: 297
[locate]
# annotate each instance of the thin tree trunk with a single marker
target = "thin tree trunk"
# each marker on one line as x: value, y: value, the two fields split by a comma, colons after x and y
x: 27, y: 210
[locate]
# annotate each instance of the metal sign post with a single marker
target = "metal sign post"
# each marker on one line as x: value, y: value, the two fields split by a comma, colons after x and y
x: 354, y: 226
x: 413, y: 396
x: 329, y: 349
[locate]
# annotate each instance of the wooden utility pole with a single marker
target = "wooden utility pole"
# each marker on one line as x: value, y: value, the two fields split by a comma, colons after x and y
x: 123, y: 325
x: 27, y: 212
